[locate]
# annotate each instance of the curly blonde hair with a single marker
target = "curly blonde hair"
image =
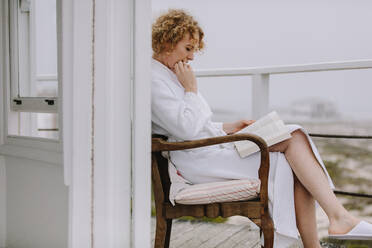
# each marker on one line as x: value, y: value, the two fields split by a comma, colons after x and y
x: 171, y: 27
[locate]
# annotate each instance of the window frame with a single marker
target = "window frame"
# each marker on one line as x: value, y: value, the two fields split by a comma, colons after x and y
x: 18, y: 103
x: 36, y: 148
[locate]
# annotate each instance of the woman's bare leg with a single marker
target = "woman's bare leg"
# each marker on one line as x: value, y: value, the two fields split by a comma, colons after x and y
x: 305, y: 215
x: 299, y: 155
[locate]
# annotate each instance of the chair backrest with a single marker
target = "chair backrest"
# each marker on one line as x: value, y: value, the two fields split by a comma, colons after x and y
x: 160, y: 176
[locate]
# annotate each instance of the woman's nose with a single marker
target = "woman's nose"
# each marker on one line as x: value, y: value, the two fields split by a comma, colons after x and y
x: 190, y: 56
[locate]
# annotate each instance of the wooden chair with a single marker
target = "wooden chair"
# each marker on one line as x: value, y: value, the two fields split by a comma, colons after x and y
x: 256, y: 209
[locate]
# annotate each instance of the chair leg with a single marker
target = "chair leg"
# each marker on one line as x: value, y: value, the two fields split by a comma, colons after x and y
x: 163, y: 232
x: 268, y: 232
x: 168, y: 234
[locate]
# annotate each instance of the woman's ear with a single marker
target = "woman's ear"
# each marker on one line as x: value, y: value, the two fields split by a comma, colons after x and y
x: 168, y: 49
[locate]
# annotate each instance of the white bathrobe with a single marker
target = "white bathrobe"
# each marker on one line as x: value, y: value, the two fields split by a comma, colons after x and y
x: 184, y: 115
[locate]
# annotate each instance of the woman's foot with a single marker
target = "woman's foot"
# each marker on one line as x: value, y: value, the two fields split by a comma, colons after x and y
x: 342, y: 224
x: 362, y: 231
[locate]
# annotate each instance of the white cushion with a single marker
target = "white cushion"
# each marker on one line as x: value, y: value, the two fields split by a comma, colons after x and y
x: 232, y: 190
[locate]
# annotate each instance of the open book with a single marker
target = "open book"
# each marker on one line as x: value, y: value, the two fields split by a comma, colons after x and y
x: 270, y: 127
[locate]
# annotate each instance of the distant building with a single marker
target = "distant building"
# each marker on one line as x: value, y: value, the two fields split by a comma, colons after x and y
x: 311, y: 109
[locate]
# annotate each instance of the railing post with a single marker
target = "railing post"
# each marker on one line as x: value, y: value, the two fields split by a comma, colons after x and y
x: 260, y: 95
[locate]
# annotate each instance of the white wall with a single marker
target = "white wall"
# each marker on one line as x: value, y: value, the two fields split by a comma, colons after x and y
x: 33, y: 197
x: 2, y: 159
x: 2, y: 202
x: 103, y: 170
x: 36, y: 203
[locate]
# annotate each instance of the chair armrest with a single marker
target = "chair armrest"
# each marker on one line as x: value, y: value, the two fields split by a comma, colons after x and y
x: 159, y: 144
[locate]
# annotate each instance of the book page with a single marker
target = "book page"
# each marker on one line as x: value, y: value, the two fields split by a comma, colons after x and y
x: 247, y: 148
x: 271, y: 128
x: 267, y: 119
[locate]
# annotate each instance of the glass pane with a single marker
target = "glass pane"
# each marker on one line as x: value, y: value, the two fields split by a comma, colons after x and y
x: 41, y: 125
x: 47, y: 88
x: 47, y: 125
x: 37, y: 48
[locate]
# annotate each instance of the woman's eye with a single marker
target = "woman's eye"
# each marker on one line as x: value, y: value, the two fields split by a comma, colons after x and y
x: 188, y: 49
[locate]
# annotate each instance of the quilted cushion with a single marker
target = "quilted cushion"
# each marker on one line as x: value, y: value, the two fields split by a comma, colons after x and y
x: 232, y: 190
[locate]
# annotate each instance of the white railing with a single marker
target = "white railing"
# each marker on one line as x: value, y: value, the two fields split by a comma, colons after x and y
x: 261, y: 77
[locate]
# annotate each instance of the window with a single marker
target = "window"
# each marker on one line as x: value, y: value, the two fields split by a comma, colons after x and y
x: 33, y: 89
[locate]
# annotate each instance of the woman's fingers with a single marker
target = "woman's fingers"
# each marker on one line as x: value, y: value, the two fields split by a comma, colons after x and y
x: 185, y: 76
x: 183, y: 66
x: 244, y: 123
x: 176, y: 68
x: 248, y: 122
x: 180, y: 65
x: 234, y: 127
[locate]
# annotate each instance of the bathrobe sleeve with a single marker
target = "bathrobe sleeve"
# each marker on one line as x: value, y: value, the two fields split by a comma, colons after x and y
x: 183, y: 117
x: 218, y: 125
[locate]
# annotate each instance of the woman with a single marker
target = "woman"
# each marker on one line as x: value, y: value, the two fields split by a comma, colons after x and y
x: 297, y: 174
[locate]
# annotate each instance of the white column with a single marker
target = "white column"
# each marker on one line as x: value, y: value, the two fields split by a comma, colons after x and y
x: 3, y: 57
x: 260, y: 95
x: 2, y: 125
x: 115, y: 181
x: 141, y: 164
x: 113, y: 127
x: 76, y: 83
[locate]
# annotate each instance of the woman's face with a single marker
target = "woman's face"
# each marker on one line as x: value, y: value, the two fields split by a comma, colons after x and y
x: 183, y: 51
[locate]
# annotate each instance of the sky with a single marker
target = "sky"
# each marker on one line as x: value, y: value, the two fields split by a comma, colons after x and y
x: 244, y: 33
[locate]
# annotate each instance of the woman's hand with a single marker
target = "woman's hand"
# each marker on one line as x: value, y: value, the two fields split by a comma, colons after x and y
x: 186, y: 76
x: 233, y: 127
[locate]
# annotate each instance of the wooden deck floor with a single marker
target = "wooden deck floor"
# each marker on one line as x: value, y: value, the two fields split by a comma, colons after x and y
x: 186, y: 234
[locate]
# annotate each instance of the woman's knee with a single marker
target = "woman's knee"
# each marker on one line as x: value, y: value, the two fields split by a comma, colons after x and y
x: 298, y: 136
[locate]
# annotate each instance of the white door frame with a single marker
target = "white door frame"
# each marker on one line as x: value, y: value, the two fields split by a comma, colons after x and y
x: 3, y: 219
x: 141, y: 164
x: 107, y: 121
